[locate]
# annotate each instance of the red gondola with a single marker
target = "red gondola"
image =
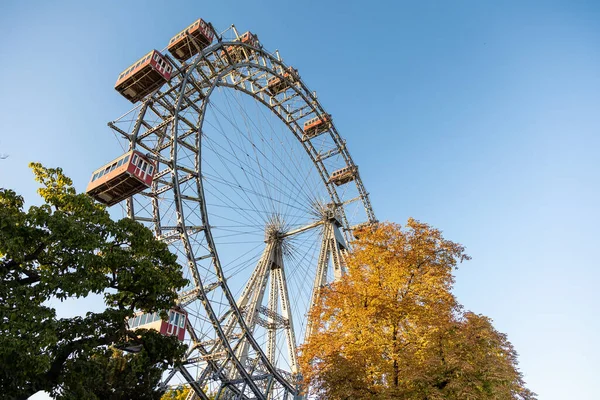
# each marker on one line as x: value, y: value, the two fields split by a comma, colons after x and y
x: 195, y: 37
x: 344, y: 175
x: 238, y: 53
x: 144, y: 77
x: 316, y: 125
x: 277, y: 85
x: 173, y: 326
x: 121, y: 178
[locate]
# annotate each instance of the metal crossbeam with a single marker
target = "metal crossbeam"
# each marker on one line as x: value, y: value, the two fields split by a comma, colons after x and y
x: 333, y: 247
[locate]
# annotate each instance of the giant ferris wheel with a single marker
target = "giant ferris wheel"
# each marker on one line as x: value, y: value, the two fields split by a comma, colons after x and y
x: 239, y: 169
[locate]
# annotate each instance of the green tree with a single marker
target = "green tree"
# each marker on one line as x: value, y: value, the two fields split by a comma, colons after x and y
x: 391, y: 328
x: 111, y: 374
x: 65, y: 249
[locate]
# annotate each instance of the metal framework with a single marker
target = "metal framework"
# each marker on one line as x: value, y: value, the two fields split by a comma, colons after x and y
x: 235, y: 341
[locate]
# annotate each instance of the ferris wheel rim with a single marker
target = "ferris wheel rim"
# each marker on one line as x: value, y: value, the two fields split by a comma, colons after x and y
x: 317, y: 108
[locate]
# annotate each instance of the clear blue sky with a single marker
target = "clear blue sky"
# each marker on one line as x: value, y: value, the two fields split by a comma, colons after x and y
x: 478, y: 117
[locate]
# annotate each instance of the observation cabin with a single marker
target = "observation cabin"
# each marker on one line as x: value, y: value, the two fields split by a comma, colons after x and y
x: 316, y: 126
x: 344, y: 175
x: 144, y: 76
x: 276, y: 85
x: 173, y: 326
x: 238, y: 54
x: 191, y: 40
x: 121, y: 178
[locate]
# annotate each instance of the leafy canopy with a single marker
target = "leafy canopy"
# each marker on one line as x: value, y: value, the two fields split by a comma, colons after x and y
x: 391, y: 327
x: 182, y: 393
x: 66, y: 249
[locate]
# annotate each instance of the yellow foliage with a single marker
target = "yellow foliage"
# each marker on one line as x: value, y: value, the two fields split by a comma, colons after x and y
x: 182, y: 392
x: 179, y: 393
x: 391, y: 327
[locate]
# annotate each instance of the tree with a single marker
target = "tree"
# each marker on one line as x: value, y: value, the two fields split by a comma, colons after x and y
x: 111, y: 374
x: 180, y: 393
x: 66, y: 249
x: 391, y: 327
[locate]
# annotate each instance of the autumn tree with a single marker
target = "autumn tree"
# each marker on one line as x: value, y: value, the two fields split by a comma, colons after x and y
x: 182, y: 392
x: 179, y: 393
x: 63, y: 250
x: 392, y: 329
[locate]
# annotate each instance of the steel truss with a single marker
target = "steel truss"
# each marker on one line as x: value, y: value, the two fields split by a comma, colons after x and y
x: 224, y: 355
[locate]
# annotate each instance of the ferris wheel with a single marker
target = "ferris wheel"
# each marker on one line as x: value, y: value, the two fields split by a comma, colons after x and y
x: 233, y: 162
